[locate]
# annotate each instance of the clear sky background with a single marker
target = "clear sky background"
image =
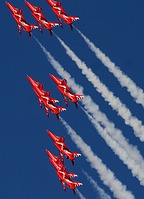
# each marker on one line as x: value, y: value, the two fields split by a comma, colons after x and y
x: 117, y: 28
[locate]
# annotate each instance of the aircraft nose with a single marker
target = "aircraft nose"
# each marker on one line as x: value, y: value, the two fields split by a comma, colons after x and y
x: 51, y: 76
x: 33, y: 82
x: 29, y: 78
x: 55, y: 79
x: 48, y: 153
x: 7, y: 4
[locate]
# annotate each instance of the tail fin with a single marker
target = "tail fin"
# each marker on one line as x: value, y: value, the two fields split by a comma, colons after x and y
x: 61, y: 108
x: 74, y: 18
x: 76, y: 154
x: 49, y: 26
x: 33, y: 26
x: 53, y: 100
x: 79, y: 96
x: 78, y: 183
x: 72, y: 175
x: 54, y: 24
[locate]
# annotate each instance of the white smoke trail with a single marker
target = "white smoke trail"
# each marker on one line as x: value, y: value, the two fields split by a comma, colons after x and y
x: 80, y: 194
x: 108, y: 96
x: 102, y: 194
x: 133, y: 165
x: 129, y: 154
x: 136, y: 92
x: 106, y: 175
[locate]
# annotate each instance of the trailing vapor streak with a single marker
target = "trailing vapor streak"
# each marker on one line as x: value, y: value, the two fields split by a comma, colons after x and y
x: 131, y: 155
x: 108, y: 96
x: 102, y: 194
x: 118, y: 150
x: 106, y: 175
x: 136, y: 92
x: 80, y: 194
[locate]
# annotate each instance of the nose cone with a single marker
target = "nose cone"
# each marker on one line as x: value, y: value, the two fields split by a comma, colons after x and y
x: 48, y: 153
x: 29, y: 78
x: 53, y: 157
x: 53, y: 137
x: 10, y: 7
x: 55, y: 79
x: 33, y: 82
x: 8, y: 4
x: 31, y: 7
x: 27, y: 3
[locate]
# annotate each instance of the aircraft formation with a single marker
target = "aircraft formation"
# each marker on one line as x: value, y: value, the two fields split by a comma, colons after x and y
x: 44, y: 98
x: 58, y: 162
x: 40, y: 18
x: 59, y: 142
x: 48, y: 102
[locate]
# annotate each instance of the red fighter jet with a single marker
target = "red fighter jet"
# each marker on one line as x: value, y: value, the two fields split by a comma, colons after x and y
x: 65, y: 90
x: 39, y: 16
x: 61, y: 14
x: 70, y: 183
x: 39, y: 90
x: 61, y: 146
x: 44, y: 97
x: 58, y: 164
x: 21, y: 22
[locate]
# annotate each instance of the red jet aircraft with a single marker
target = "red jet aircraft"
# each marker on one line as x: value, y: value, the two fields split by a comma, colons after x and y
x: 61, y: 146
x: 39, y: 16
x: 71, y: 184
x: 58, y: 164
x: 38, y: 89
x: 65, y: 90
x: 61, y: 14
x: 44, y: 97
x: 21, y: 22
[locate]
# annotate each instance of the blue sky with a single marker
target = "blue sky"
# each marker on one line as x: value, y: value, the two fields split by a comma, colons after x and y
x: 114, y: 27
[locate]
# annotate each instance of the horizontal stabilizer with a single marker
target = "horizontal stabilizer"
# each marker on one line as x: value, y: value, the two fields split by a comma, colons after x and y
x: 54, y: 24
x: 76, y: 154
x: 33, y: 26
x: 61, y: 108
x: 78, y: 96
x: 74, y: 18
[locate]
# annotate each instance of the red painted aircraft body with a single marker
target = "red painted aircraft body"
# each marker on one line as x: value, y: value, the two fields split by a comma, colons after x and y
x: 39, y: 16
x: 61, y: 146
x: 19, y: 18
x: 61, y: 14
x: 39, y: 90
x: 44, y: 97
x: 65, y: 90
x: 58, y: 164
x: 70, y: 183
